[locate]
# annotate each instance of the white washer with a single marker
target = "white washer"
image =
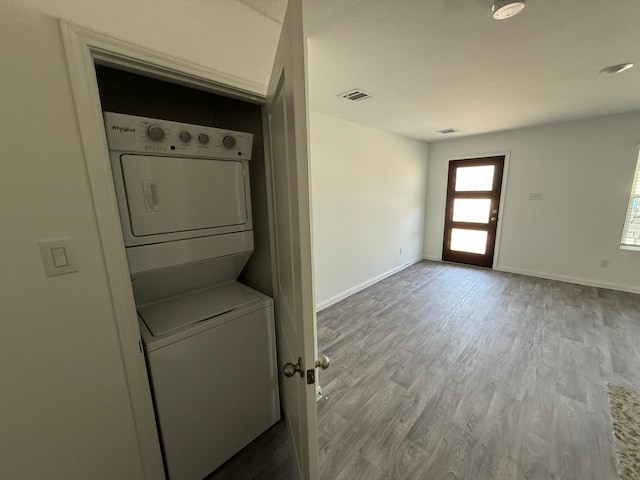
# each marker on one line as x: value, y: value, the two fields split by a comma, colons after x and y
x: 211, y: 357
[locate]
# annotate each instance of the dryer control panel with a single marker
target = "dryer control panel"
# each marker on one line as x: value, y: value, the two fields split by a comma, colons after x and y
x: 149, y: 135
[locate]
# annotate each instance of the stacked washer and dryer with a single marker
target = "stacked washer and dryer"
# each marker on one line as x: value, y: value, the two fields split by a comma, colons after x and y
x: 184, y: 199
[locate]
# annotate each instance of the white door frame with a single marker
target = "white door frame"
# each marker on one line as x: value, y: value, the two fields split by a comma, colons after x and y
x: 85, y: 47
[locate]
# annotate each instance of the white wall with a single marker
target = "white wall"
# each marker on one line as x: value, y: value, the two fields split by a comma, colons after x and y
x: 64, y: 408
x: 368, y: 192
x: 584, y: 170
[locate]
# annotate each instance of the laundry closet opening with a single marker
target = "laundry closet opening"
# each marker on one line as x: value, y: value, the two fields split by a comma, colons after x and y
x: 191, y: 219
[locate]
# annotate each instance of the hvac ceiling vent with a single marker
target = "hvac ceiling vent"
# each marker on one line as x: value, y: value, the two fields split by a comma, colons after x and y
x: 355, y: 95
x: 447, y: 130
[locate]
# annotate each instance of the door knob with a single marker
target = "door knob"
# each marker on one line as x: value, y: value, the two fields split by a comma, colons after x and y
x: 323, y: 362
x: 289, y: 369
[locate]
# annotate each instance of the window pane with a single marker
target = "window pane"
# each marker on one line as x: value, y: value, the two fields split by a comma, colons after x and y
x: 475, y: 179
x: 631, y: 232
x: 474, y: 210
x: 632, y: 226
x: 471, y: 241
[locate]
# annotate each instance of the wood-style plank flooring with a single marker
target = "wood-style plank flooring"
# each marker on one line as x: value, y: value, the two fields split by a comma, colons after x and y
x: 452, y: 372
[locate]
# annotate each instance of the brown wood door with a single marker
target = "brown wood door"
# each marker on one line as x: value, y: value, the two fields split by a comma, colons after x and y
x: 472, y: 210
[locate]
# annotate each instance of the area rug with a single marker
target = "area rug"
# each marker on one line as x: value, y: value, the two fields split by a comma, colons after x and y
x: 625, y: 411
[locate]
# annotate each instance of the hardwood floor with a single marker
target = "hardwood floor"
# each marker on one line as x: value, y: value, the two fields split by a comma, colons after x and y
x: 452, y: 372
x: 266, y: 458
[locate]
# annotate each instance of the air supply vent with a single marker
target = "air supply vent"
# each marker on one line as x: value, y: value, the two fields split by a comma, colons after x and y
x: 447, y: 131
x: 355, y: 95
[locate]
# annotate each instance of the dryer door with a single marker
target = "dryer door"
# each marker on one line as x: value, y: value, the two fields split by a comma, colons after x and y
x: 169, y: 194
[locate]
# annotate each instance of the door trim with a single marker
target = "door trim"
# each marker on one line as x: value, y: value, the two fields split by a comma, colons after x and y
x: 505, y: 176
x: 84, y: 47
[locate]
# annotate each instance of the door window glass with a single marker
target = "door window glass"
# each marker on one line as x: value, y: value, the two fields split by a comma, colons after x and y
x: 475, y: 179
x: 470, y: 241
x: 473, y: 210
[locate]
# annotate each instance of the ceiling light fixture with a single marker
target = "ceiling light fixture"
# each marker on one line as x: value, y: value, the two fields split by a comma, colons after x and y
x: 503, y: 9
x: 613, y: 69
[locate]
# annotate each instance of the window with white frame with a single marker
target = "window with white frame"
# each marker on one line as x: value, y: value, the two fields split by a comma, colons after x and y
x: 631, y: 232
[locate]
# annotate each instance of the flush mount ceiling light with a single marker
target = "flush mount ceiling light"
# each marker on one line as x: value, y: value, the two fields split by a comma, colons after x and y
x: 506, y: 8
x: 613, y: 69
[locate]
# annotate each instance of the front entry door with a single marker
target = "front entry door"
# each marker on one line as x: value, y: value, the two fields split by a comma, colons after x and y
x: 286, y: 112
x: 472, y: 210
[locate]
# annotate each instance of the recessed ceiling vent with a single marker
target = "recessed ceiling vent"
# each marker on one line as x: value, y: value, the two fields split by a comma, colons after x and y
x: 355, y: 95
x: 447, y: 131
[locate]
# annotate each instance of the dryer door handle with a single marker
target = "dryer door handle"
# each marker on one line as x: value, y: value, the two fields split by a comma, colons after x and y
x: 150, y: 190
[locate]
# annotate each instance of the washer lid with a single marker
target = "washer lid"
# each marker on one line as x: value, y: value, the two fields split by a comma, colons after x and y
x: 176, y: 312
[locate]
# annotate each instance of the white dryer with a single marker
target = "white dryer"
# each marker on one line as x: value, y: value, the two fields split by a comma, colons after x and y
x: 184, y: 199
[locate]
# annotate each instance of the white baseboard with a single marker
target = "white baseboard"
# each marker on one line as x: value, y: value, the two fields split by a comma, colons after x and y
x: 361, y: 286
x: 562, y: 278
x: 569, y: 279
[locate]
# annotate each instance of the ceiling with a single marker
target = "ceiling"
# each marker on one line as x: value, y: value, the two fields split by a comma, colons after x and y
x: 436, y: 64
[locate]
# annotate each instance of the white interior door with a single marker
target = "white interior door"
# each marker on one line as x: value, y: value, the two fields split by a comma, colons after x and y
x: 286, y: 110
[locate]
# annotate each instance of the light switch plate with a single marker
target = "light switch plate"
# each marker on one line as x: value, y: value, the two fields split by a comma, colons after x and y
x: 58, y: 251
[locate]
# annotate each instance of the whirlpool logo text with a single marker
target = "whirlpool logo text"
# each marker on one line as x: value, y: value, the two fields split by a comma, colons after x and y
x: 123, y: 129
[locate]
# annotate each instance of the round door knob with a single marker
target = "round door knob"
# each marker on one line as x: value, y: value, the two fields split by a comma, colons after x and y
x: 323, y: 362
x: 229, y: 141
x: 185, y: 136
x: 289, y: 369
x: 155, y: 132
x: 203, y: 138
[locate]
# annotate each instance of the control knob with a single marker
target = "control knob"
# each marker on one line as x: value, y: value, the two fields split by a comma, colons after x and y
x: 155, y: 132
x: 203, y: 138
x: 229, y: 141
x: 185, y: 136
